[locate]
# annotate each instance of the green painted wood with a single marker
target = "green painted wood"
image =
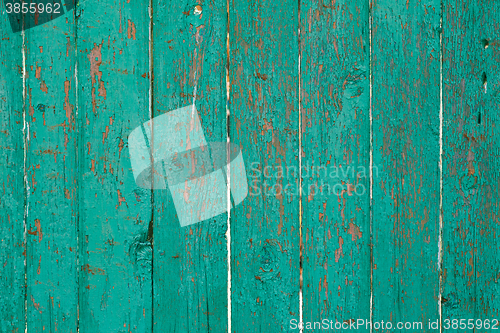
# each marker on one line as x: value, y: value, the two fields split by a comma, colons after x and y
x: 471, y: 136
x: 89, y: 227
x: 190, y: 263
x: 264, y: 122
x: 12, y: 185
x: 336, y: 146
x: 52, y: 174
x: 113, y: 99
x: 405, y: 111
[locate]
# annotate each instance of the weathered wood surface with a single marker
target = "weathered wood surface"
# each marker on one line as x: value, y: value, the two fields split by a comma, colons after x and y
x: 264, y: 122
x: 405, y: 123
x: 52, y: 176
x: 335, y: 100
x: 471, y: 181
x: 12, y: 183
x: 333, y: 87
x: 113, y: 99
x: 190, y: 263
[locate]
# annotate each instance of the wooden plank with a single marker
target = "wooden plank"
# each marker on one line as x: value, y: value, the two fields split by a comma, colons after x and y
x: 471, y: 136
x: 190, y: 263
x: 52, y: 173
x: 405, y: 110
x: 12, y: 204
x: 264, y: 122
x: 113, y: 99
x: 336, y: 146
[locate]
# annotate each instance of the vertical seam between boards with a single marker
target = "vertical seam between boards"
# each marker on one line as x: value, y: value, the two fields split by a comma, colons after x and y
x: 440, y: 234
x: 228, y: 193
x: 370, y: 71
x: 26, y: 185
x: 79, y: 155
x: 301, y: 273
x: 150, y: 234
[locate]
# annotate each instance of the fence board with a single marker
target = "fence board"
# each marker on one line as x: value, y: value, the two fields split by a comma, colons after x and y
x: 336, y: 160
x: 190, y: 263
x: 12, y: 185
x: 113, y: 99
x: 52, y: 173
x: 405, y: 110
x: 264, y: 122
x: 471, y: 52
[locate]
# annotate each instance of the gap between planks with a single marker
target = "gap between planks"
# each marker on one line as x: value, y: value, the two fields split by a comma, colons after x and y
x: 301, y: 244
x: 26, y: 137
x: 440, y: 234
x: 370, y: 82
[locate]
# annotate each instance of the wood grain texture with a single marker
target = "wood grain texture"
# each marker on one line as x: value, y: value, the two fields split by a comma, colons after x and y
x: 190, y: 263
x: 336, y: 145
x: 113, y: 99
x: 405, y: 110
x: 12, y: 186
x: 84, y: 248
x: 471, y: 136
x: 264, y: 122
x: 52, y: 173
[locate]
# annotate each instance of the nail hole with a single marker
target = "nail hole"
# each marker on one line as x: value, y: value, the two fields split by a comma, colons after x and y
x: 479, y: 118
x: 197, y: 10
x: 485, y: 82
x: 486, y: 43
